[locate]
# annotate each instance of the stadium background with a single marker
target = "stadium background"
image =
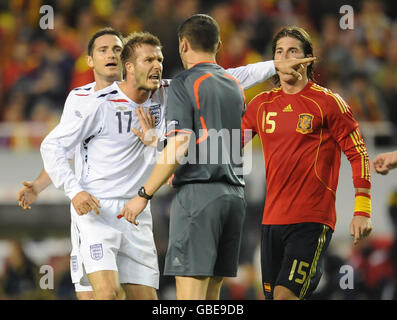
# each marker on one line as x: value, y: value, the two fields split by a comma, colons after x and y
x: 38, y: 68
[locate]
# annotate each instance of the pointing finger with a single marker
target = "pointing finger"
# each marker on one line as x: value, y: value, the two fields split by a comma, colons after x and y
x: 96, y: 201
x: 94, y: 207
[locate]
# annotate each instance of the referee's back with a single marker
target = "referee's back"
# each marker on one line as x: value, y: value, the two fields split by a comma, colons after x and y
x: 208, y: 102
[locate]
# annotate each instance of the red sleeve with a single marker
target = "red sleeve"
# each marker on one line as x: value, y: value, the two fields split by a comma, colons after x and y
x: 248, y: 123
x: 339, y: 117
x: 344, y: 129
x: 356, y: 152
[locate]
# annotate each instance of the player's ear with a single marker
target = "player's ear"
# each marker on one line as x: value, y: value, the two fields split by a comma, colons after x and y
x: 218, y: 46
x: 90, y: 61
x: 129, y: 67
x: 183, y: 45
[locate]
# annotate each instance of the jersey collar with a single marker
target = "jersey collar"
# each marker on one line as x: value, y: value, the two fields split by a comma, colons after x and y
x: 214, y: 62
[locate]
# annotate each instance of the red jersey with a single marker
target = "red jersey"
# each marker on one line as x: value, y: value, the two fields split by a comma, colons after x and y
x: 302, y: 137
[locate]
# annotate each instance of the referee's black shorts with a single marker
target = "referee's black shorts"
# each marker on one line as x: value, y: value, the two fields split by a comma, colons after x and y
x: 292, y: 256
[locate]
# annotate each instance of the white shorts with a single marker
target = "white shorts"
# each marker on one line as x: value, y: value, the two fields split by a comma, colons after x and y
x: 103, y: 242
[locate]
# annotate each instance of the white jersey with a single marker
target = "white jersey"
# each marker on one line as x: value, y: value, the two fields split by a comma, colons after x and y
x: 114, y: 162
x: 80, y: 96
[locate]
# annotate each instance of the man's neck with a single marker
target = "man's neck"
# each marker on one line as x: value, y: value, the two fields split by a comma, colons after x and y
x: 103, y: 83
x: 293, y: 87
x: 194, y: 57
x: 137, y: 95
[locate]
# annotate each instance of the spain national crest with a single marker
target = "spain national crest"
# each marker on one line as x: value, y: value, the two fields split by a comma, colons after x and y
x: 305, y: 123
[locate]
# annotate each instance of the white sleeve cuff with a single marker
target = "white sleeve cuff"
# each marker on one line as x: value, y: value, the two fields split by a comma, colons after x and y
x: 72, y: 193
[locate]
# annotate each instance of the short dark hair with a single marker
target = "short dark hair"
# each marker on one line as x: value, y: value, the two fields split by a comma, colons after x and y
x: 202, y: 32
x: 134, y: 40
x: 306, y: 41
x: 99, y: 33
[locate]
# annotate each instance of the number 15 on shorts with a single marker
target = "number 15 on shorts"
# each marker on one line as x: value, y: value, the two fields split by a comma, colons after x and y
x: 298, y: 271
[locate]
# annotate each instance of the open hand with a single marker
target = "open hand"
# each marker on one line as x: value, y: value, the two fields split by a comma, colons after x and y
x: 27, y: 195
x: 147, y: 122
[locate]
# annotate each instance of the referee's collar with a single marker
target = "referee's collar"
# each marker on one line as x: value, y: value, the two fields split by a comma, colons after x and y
x: 214, y: 62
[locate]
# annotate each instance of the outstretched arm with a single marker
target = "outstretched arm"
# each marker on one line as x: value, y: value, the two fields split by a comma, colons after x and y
x: 255, y: 73
x: 31, y: 189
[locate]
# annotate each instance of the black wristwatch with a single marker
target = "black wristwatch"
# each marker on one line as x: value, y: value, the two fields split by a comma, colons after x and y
x: 142, y: 193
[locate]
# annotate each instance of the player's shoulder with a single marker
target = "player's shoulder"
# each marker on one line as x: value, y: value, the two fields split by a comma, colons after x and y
x: 329, y: 98
x: 79, y: 97
x: 320, y: 91
x: 266, y: 95
x: 181, y: 77
x: 83, y: 91
x: 101, y: 97
x: 111, y: 93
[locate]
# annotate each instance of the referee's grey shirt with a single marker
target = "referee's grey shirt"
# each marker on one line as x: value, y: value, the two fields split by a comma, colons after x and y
x: 208, y: 103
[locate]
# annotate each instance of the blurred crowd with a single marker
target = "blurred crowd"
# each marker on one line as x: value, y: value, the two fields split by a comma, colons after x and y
x: 38, y: 67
